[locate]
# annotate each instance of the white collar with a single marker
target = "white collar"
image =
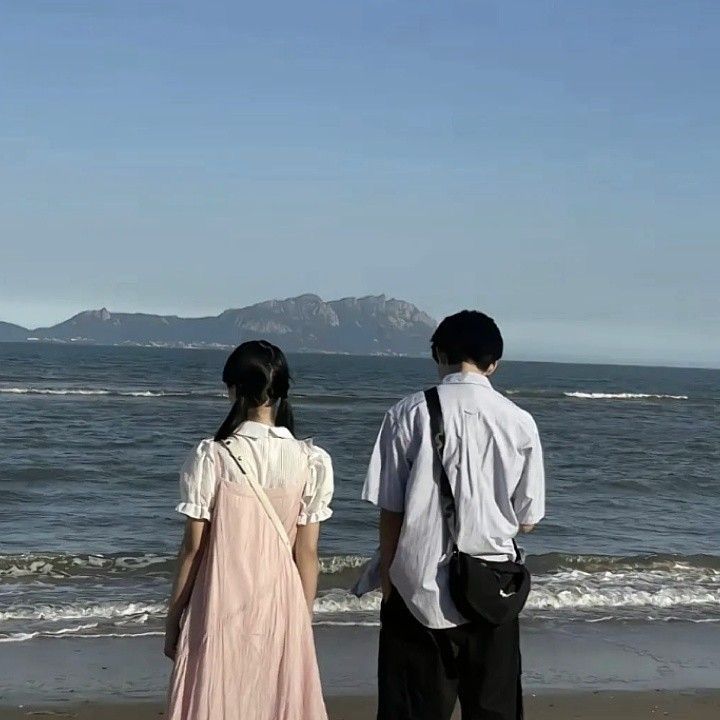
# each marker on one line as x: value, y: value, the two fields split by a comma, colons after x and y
x: 257, y: 430
x: 468, y: 378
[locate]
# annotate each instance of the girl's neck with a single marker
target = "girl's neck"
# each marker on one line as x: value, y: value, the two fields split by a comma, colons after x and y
x: 264, y: 414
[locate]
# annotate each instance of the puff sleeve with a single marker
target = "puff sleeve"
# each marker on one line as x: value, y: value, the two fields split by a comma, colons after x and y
x: 318, y: 491
x: 197, y: 482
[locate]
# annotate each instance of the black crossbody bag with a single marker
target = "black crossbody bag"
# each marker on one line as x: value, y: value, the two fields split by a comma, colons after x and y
x: 483, y: 591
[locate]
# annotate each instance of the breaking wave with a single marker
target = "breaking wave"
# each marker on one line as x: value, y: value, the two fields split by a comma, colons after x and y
x: 622, y: 396
x: 93, y: 600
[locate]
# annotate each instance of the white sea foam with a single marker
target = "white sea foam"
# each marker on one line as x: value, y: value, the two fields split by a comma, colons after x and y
x: 149, y: 633
x: 338, y: 601
x: 24, y: 637
x: 106, y: 611
x: 579, y: 591
x: 622, y: 396
x: 178, y: 393
x: 570, y: 596
x: 19, y: 637
x: 624, y: 592
x: 105, y: 392
x: 51, y: 391
x: 61, y: 566
x: 346, y: 623
x: 339, y: 563
x: 571, y: 588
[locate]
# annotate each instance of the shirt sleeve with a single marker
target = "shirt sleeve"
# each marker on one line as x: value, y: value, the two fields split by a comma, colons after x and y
x: 197, y: 483
x: 319, y: 489
x: 529, y: 497
x: 388, y: 470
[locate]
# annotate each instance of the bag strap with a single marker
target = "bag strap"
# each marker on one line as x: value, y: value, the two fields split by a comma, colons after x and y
x: 437, y: 432
x: 447, y: 499
x: 261, y: 496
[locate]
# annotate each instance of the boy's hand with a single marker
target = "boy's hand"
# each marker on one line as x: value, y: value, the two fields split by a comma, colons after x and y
x: 386, y: 589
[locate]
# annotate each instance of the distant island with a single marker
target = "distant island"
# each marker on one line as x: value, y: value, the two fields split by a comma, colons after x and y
x: 374, y: 325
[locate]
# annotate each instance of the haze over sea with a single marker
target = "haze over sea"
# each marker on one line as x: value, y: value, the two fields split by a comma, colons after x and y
x: 93, y: 437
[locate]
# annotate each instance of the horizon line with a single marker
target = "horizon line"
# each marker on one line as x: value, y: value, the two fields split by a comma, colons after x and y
x: 659, y: 364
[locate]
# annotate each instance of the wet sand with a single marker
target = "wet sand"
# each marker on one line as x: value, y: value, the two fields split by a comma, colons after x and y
x: 575, y: 657
x: 572, y: 672
x: 696, y: 705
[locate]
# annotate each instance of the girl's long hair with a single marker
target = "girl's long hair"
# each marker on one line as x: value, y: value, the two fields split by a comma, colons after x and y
x: 259, y: 373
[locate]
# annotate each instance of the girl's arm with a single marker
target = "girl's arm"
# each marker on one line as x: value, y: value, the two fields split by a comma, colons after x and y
x: 306, y: 559
x: 189, y: 557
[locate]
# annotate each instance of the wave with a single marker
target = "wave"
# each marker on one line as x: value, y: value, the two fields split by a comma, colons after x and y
x: 75, y: 633
x: 51, y: 391
x: 319, y: 399
x: 60, y: 566
x: 580, y: 588
x: 567, y: 591
x: 681, y: 586
x: 299, y: 398
x: 336, y: 564
x: 108, y: 392
x: 668, y: 562
x: 129, y: 612
x: 622, y: 396
x: 651, y: 588
x: 44, y: 566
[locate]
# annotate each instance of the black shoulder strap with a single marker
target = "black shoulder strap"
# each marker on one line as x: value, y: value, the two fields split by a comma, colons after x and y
x: 437, y: 431
x: 447, y: 499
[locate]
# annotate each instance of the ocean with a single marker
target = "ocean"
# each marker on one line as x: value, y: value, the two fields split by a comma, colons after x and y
x: 93, y: 438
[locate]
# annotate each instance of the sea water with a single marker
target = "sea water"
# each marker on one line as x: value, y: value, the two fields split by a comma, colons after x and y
x: 91, y: 440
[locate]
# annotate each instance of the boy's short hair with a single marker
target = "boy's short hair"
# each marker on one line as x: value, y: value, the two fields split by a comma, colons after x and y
x: 469, y: 336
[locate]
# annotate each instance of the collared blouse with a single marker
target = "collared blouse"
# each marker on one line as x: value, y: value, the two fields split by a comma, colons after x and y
x: 275, y: 458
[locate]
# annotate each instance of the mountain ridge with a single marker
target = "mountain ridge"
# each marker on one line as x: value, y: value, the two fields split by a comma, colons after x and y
x: 373, y: 324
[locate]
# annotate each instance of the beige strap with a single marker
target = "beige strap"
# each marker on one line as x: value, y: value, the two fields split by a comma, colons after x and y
x: 261, y: 495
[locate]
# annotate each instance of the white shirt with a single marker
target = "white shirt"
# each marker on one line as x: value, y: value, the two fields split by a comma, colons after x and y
x: 274, y: 457
x: 493, y: 459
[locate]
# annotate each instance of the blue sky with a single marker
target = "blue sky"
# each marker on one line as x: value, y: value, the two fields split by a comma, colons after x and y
x: 553, y: 163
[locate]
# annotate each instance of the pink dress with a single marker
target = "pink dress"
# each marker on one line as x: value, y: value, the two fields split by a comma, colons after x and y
x: 246, y: 650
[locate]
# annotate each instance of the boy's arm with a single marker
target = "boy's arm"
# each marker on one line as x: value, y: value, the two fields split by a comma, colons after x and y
x: 390, y: 527
x: 529, y: 497
x: 385, y: 482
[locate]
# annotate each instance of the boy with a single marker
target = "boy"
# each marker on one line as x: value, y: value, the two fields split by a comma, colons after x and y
x: 429, y: 653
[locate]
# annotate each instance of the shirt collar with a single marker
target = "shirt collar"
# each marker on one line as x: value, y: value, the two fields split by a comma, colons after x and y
x: 469, y: 378
x: 256, y: 430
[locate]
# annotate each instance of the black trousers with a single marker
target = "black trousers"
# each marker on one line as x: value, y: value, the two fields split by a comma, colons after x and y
x: 423, y: 672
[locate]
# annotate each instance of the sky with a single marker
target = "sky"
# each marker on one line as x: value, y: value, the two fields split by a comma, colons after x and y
x: 555, y: 164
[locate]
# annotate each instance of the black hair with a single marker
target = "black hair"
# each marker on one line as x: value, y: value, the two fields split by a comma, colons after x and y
x: 259, y: 373
x: 469, y: 336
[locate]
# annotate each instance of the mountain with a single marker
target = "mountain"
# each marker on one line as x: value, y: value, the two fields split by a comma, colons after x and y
x: 12, y: 333
x: 367, y: 325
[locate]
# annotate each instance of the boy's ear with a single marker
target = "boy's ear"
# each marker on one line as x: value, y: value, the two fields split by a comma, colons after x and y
x: 492, y: 368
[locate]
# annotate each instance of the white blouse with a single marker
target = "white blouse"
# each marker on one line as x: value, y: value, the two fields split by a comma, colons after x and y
x: 275, y: 458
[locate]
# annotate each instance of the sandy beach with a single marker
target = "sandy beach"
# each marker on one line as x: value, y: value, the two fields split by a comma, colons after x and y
x: 572, y: 672
x: 597, y: 705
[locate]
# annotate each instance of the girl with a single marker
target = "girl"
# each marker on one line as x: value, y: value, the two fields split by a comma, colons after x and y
x: 239, y: 619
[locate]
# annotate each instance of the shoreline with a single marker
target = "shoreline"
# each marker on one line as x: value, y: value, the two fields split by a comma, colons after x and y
x: 597, y: 705
x: 558, y: 660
